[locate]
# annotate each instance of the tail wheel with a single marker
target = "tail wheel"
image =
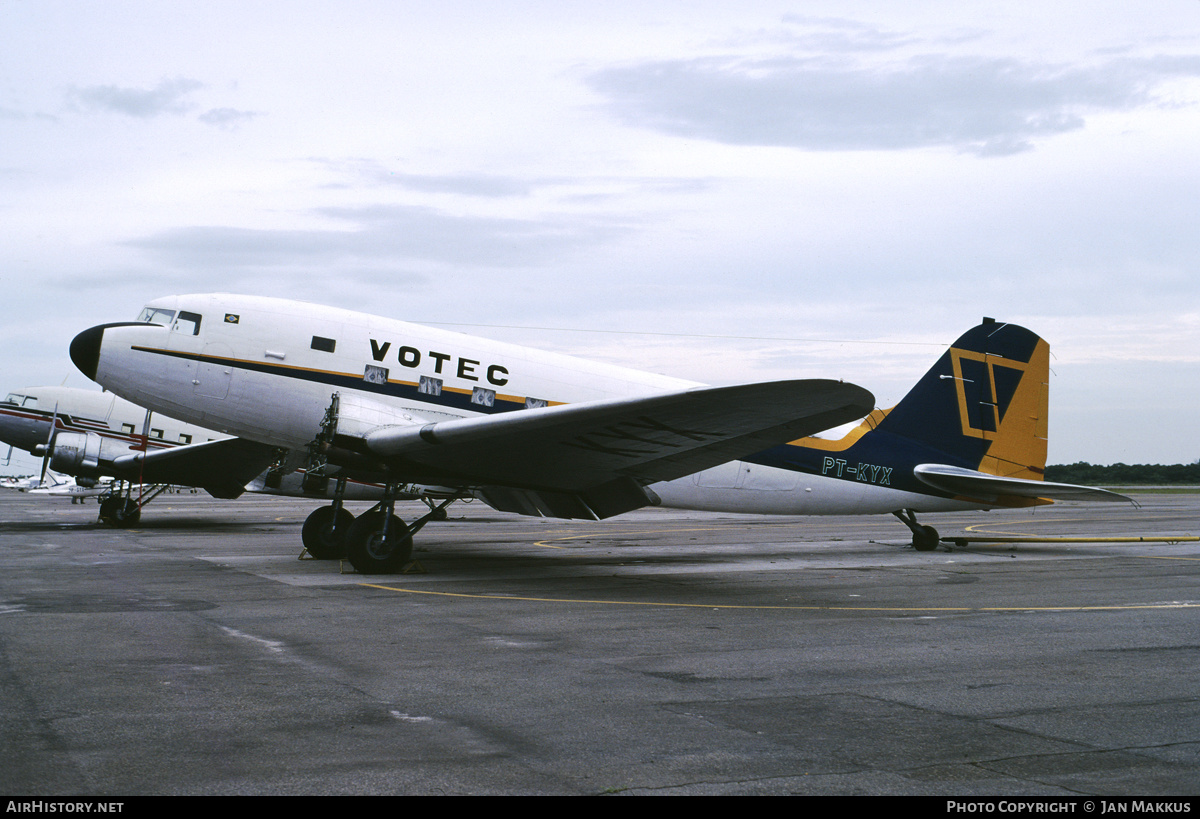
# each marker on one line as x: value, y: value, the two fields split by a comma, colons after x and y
x: 369, y: 552
x: 322, y: 538
x: 926, y: 539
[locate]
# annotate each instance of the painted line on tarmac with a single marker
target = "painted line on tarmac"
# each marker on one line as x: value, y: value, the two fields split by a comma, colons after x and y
x: 887, y: 609
x: 548, y: 543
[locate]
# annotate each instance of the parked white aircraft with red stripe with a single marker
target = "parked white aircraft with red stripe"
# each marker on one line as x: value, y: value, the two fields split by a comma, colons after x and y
x: 90, y: 435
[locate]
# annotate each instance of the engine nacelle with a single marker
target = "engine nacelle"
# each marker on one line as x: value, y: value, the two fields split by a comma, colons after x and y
x: 76, y: 453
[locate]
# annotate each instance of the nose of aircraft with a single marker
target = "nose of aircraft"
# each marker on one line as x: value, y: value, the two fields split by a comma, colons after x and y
x: 85, y: 350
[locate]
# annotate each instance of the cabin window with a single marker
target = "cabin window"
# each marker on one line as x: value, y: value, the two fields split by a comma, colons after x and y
x: 535, y: 403
x: 156, y: 433
x: 128, y: 429
x: 483, y: 397
x: 184, y: 438
x: 325, y: 345
x: 187, y: 323
x: 430, y: 386
x: 157, y: 315
x: 375, y: 375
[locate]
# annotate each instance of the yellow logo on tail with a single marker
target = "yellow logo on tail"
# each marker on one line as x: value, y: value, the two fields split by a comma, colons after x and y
x: 1009, y: 408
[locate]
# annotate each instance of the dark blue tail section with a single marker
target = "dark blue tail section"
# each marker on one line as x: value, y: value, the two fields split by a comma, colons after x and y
x: 982, y: 406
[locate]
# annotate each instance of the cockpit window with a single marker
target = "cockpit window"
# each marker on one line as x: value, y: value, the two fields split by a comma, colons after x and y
x: 157, y: 315
x: 188, y: 323
x: 13, y: 398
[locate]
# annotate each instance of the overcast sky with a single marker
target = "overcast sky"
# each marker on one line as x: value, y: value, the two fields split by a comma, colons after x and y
x: 731, y: 191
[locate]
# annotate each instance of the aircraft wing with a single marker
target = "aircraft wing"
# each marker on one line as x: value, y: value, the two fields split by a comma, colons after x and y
x: 222, y: 468
x: 592, y: 460
x: 960, y: 481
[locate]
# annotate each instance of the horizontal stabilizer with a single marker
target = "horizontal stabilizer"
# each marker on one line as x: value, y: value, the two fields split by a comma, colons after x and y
x: 979, y: 485
x: 223, y: 467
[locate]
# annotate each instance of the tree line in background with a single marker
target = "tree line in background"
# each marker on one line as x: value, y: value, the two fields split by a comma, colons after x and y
x: 1125, y: 474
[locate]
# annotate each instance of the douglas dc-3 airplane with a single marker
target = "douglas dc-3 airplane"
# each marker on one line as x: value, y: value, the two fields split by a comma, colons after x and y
x: 90, y: 435
x: 445, y: 416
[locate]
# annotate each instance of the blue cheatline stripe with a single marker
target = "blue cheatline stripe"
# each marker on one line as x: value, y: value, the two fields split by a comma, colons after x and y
x: 449, y: 398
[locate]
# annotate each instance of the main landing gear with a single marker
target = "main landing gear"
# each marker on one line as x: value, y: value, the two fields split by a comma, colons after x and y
x: 324, y: 532
x: 376, y: 542
x: 925, y: 538
x: 120, y: 509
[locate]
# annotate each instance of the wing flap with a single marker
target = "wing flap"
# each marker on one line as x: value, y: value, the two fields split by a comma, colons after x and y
x: 614, y: 498
x: 603, y: 449
x: 968, y: 482
x: 223, y: 468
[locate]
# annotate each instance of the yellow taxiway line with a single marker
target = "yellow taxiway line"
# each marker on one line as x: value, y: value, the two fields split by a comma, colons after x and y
x: 888, y: 609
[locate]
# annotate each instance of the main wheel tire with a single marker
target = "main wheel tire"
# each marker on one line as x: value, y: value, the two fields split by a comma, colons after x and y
x: 108, y: 508
x: 323, y: 540
x: 370, y: 553
x: 125, y: 514
x: 927, y: 540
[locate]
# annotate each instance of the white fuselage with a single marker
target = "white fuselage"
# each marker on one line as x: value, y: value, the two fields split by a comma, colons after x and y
x: 266, y: 369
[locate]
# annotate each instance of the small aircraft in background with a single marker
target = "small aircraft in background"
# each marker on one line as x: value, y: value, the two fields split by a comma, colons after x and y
x: 20, y: 483
x: 91, y: 436
x: 446, y: 416
x: 78, y: 490
x: 52, y: 483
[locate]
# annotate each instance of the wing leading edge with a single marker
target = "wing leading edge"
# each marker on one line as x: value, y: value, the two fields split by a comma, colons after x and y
x: 592, y: 460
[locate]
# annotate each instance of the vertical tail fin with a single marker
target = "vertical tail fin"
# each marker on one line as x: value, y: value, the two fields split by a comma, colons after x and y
x: 973, y: 428
x: 983, y: 405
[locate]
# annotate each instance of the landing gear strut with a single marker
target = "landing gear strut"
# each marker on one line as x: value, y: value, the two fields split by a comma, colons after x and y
x: 925, y: 538
x: 119, y: 508
x: 379, y: 542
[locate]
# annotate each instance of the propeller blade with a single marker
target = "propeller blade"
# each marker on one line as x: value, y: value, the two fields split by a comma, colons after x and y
x: 49, y: 444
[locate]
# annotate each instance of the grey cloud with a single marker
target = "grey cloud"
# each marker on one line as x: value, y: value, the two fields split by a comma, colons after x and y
x: 466, y: 184
x: 574, y: 189
x: 830, y: 34
x: 978, y: 105
x: 470, y: 185
x: 489, y: 186
x: 22, y: 116
x: 392, y: 234
x: 227, y: 118
x: 168, y: 97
